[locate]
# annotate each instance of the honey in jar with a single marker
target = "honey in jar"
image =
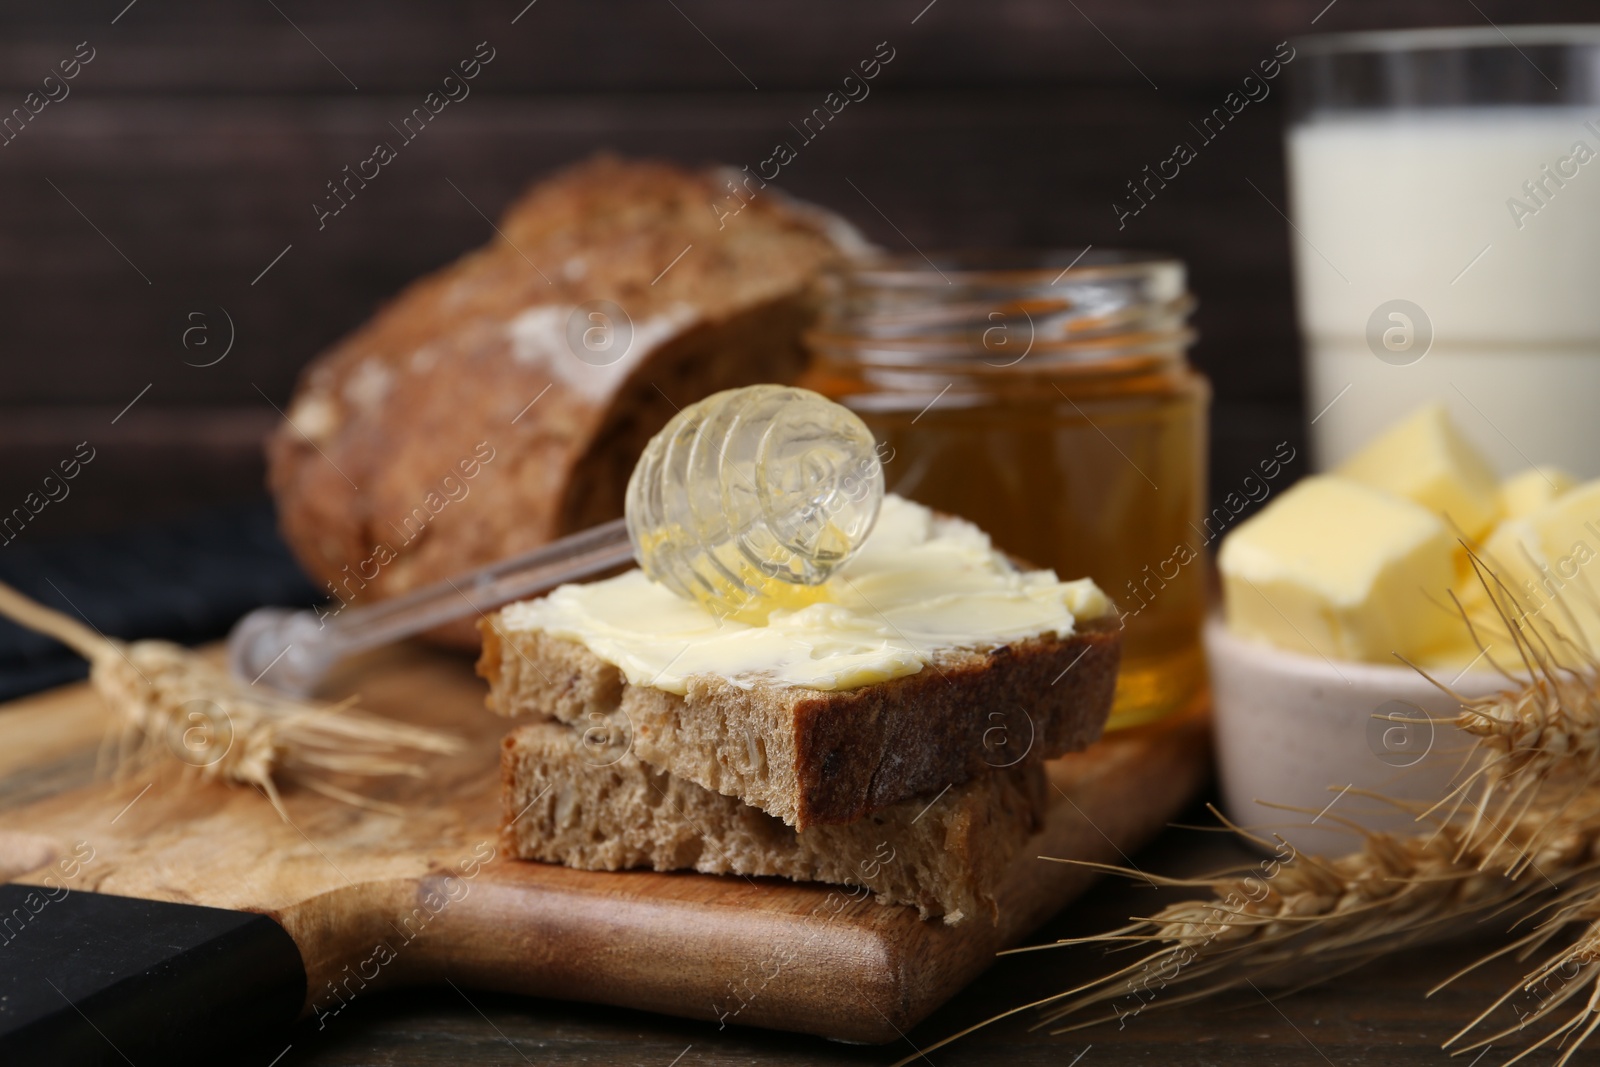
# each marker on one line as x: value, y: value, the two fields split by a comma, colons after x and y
x: 1047, y: 398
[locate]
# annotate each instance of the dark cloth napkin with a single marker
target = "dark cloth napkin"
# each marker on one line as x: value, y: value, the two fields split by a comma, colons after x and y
x: 185, y: 580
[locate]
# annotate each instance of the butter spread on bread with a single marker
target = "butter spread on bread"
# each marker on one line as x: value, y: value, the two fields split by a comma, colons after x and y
x: 922, y: 583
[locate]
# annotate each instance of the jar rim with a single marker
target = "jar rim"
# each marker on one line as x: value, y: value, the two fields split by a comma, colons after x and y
x: 1008, y: 267
x: 1067, y: 308
x: 1130, y: 353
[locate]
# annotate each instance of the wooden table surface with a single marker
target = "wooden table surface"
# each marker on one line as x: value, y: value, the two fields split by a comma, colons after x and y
x: 1375, y: 1016
x: 341, y: 880
x: 1378, y: 1015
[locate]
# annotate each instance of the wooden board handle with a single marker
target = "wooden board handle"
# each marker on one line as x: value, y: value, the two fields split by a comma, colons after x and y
x: 87, y: 978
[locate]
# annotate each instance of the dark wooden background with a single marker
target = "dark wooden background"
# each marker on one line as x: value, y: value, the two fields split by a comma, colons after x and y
x: 201, y: 133
x: 190, y: 151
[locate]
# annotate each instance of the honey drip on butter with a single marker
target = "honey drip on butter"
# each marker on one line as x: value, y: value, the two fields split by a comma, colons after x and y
x: 747, y: 501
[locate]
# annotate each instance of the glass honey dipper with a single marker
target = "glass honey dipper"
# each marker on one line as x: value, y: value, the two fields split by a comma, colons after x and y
x: 745, y: 502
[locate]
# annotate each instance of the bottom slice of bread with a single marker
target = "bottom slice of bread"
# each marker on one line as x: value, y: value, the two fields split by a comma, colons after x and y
x: 581, y: 800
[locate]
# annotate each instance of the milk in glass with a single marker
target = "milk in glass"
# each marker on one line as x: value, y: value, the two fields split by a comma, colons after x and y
x: 1487, y: 219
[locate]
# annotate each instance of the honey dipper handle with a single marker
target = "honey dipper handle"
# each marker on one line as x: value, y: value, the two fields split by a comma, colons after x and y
x: 292, y: 650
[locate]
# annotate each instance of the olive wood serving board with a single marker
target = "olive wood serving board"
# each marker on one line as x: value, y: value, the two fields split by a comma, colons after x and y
x: 373, y: 899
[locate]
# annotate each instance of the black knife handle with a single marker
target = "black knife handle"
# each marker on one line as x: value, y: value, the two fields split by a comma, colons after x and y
x: 87, y: 978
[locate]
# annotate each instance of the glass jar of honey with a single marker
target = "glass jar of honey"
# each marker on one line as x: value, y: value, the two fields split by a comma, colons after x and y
x: 1047, y: 398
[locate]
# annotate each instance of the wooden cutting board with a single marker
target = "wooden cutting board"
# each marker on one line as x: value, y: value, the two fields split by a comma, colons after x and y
x: 374, y: 899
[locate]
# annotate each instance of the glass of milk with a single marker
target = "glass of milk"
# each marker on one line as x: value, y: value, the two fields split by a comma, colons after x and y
x: 1445, y: 197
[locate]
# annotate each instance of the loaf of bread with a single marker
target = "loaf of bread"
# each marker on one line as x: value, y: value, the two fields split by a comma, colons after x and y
x: 584, y: 800
x: 502, y: 401
x: 811, y: 757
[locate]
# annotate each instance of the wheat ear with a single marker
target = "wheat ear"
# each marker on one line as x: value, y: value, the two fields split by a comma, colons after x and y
x: 1542, y: 729
x: 1394, y: 891
x: 174, y: 705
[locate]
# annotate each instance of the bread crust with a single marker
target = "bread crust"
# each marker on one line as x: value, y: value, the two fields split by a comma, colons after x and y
x: 583, y: 800
x: 366, y: 468
x: 815, y: 758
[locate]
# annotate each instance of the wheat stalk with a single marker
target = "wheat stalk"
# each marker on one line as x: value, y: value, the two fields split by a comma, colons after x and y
x: 1394, y: 891
x: 1532, y: 791
x: 174, y: 705
x: 1543, y: 728
x: 1583, y: 956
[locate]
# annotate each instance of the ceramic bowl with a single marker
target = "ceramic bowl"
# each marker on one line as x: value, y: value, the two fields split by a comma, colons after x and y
x: 1311, y: 733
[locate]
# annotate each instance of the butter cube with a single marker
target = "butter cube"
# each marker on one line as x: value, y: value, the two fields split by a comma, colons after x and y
x: 1425, y: 459
x: 1550, y: 560
x: 1339, y: 569
x: 1532, y: 489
